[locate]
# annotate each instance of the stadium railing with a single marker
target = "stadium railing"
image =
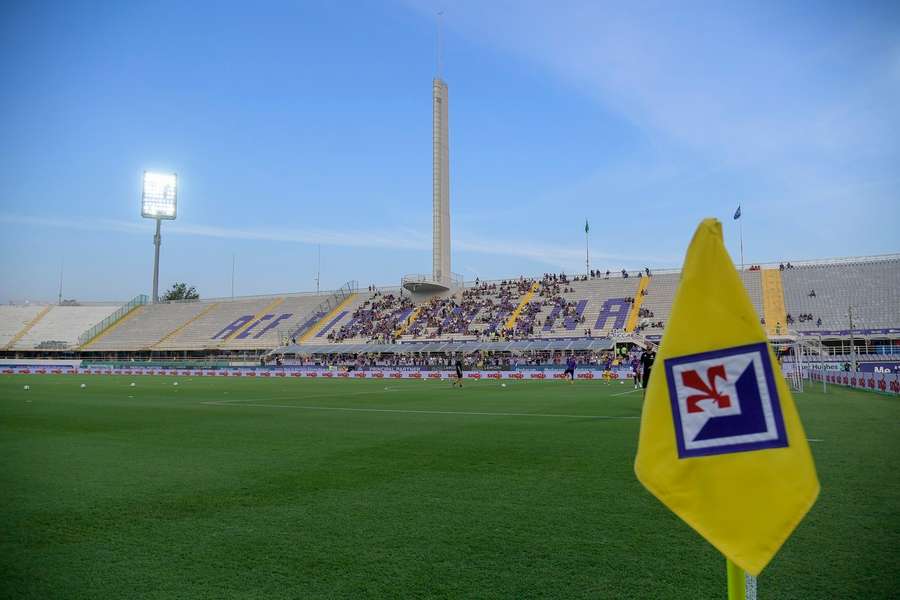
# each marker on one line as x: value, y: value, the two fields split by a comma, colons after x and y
x: 456, y: 280
x: 309, y: 319
x: 123, y: 310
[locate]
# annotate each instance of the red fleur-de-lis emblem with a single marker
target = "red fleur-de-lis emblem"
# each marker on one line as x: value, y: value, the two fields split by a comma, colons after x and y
x: 709, y: 391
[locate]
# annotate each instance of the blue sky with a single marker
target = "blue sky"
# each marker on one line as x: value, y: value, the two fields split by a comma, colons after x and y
x: 294, y: 124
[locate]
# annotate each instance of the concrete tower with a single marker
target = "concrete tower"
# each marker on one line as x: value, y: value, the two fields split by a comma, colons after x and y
x: 440, y: 156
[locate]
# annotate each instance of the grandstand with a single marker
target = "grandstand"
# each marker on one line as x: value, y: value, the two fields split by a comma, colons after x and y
x: 49, y: 327
x: 218, y: 324
x: 661, y: 293
x: 16, y: 321
x: 553, y: 307
x: 791, y: 299
x: 872, y: 288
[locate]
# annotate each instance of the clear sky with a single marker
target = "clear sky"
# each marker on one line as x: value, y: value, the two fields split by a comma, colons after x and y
x: 294, y: 124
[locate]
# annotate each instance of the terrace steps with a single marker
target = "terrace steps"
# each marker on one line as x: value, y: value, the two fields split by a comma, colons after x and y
x: 181, y: 327
x: 24, y: 331
x: 253, y: 321
x: 511, y: 322
x: 774, y: 310
x: 138, y: 309
x: 401, y: 329
x: 632, y: 321
x: 312, y: 331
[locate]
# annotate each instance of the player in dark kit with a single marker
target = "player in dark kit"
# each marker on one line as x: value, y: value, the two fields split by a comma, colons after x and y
x: 647, y: 359
x: 459, y: 373
x: 570, y: 368
x: 636, y: 372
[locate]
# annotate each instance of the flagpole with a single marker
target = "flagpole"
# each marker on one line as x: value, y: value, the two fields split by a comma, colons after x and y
x: 741, y: 228
x: 587, y: 252
x: 737, y: 581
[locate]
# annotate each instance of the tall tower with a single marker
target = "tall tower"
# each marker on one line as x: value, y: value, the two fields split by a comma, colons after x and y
x: 442, y: 278
x: 440, y: 169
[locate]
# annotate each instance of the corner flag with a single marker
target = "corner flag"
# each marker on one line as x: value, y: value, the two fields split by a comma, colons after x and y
x: 721, y: 444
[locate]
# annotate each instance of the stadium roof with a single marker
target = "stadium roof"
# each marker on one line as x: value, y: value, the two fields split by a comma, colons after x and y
x: 450, y: 346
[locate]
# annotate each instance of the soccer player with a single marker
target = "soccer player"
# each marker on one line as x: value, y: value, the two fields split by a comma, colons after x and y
x: 570, y: 368
x: 608, y: 369
x: 459, y: 372
x: 636, y: 372
x: 647, y: 358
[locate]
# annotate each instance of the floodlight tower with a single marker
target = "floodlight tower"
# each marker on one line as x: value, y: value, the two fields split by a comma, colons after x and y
x: 440, y: 270
x: 158, y: 201
x: 442, y: 278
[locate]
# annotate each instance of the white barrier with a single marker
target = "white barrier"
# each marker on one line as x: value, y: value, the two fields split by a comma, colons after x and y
x: 580, y: 374
x: 878, y: 382
x: 873, y: 382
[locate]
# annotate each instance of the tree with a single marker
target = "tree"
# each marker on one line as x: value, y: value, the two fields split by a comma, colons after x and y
x: 181, y: 291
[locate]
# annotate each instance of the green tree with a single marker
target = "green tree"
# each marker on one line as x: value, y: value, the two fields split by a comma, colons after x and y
x: 181, y: 291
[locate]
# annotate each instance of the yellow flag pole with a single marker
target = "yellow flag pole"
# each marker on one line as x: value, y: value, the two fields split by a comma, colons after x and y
x: 737, y: 582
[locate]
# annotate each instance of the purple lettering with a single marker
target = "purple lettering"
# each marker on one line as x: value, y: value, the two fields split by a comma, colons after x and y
x: 247, y: 331
x: 273, y: 324
x: 233, y: 326
x: 613, y: 308
x: 571, y: 321
x: 551, y: 318
x: 332, y: 323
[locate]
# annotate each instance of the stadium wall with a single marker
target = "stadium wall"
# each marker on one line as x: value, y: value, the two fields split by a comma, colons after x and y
x: 309, y: 373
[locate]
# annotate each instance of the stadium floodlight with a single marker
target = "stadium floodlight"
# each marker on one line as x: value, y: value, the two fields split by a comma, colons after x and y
x: 159, y: 198
x: 158, y: 201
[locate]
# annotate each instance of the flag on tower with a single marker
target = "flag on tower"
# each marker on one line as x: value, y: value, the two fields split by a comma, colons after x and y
x: 721, y: 443
x: 737, y: 213
x: 586, y: 227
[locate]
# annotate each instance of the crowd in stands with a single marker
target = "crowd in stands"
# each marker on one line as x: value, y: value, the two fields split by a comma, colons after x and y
x: 645, y: 315
x: 598, y: 274
x: 475, y: 360
x: 376, y: 319
x: 803, y: 318
x: 781, y: 267
x: 482, y: 311
x: 551, y: 284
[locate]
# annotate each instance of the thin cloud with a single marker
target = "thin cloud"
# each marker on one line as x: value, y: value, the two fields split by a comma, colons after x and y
x: 358, y: 239
x: 728, y: 110
x: 567, y: 256
x: 402, y: 239
x: 743, y: 91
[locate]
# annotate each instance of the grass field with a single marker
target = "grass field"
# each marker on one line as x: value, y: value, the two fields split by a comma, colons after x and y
x: 303, y: 488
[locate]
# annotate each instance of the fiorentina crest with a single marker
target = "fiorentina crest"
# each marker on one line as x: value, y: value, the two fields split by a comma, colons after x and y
x: 725, y: 401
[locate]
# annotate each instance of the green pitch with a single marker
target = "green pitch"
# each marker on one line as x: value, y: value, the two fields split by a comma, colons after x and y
x: 302, y: 488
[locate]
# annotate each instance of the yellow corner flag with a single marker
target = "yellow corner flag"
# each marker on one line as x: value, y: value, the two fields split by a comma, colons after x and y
x: 721, y: 444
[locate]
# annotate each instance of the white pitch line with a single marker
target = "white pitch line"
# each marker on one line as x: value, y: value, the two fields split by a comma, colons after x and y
x: 814, y: 440
x: 307, y: 397
x: 428, y: 412
x: 628, y: 392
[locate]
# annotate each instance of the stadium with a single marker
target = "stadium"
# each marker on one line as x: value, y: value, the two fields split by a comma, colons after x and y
x: 315, y: 443
x: 837, y: 311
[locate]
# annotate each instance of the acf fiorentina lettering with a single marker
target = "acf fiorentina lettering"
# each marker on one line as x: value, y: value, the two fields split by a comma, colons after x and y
x: 245, y: 319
